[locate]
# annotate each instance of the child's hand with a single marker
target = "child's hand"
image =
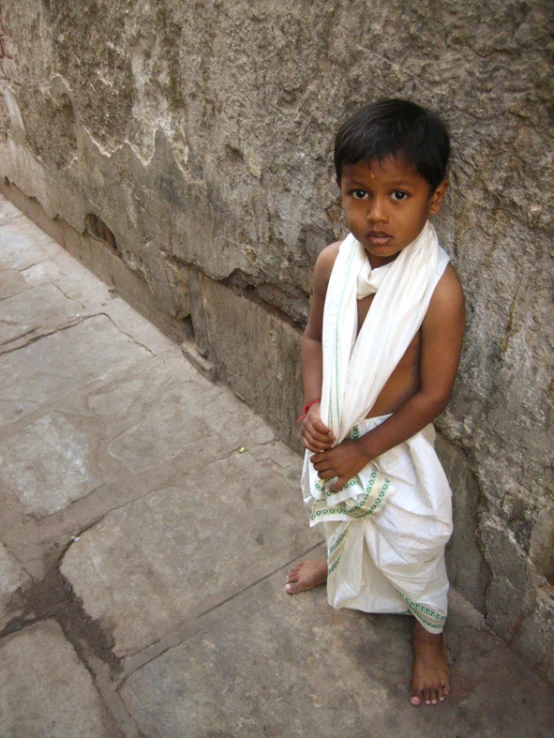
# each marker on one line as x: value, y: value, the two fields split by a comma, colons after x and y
x: 343, y: 461
x: 315, y: 434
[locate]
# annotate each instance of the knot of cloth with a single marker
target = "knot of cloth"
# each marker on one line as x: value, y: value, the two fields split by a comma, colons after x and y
x: 369, y: 280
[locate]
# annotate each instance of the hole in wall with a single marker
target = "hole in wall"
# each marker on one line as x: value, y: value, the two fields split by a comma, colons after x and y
x: 189, y: 329
x: 98, y: 229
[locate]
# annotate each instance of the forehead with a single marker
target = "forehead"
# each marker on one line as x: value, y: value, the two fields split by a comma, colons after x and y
x: 391, y: 169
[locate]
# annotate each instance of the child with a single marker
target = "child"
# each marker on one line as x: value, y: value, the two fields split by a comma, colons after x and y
x: 379, y: 358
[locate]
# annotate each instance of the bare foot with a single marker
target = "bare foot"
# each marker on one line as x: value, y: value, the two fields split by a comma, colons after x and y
x: 430, y: 672
x: 306, y: 575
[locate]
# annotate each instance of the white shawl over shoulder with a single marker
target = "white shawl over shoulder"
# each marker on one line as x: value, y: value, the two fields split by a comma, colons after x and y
x: 355, y: 369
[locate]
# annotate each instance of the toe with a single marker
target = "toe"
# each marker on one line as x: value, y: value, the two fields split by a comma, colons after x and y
x: 291, y: 588
x: 415, y: 698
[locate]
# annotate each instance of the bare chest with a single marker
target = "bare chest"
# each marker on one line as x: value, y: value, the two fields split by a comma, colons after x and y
x: 412, y: 355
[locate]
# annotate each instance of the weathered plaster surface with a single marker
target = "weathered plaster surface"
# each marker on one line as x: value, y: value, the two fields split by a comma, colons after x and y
x: 187, y: 146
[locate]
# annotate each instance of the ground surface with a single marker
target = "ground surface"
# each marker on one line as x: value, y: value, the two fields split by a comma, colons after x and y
x: 148, y: 520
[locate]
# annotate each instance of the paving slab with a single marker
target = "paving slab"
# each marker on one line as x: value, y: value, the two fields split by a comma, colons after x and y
x: 57, y: 364
x: 268, y: 664
x: 8, y: 211
x: 67, y: 275
x: 187, y: 420
x: 45, y: 272
x: 166, y: 558
x: 45, y: 691
x: 48, y: 465
x: 11, y: 283
x: 44, y: 308
x: 21, y: 244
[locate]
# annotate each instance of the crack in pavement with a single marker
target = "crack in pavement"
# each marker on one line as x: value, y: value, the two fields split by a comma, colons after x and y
x: 68, y: 297
x: 135, y: 340
x: 188, y: 627
x: 63, y: 327
x: 52, y: 332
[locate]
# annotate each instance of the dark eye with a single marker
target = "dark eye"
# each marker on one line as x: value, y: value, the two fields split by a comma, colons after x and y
x: 359, y: 194
x: 398, y: 195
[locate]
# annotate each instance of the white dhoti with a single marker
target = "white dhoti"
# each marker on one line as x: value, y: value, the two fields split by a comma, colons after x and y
x: 386, y: 528
x: 390, y: 559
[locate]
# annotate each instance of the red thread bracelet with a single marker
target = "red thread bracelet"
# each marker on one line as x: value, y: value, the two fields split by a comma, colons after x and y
x: 305, y: 409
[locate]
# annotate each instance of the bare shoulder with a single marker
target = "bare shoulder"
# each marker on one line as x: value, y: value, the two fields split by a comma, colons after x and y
x: 326, y: 261
x: 322, y: 274
x: 442, y: 335
x: 448, y: 296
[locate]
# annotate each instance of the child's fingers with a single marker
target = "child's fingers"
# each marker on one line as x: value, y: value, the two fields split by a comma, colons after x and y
x: 316, y: 446
x: 320, y: 426
x: 330, y: 473
x: 322, y: 464
x: 339, y: 464
x: 320, y: 444
x: 317, y: 435
x: 339, y: 484
x: 311, y: 447
x: 322, y: 431
x: 316, y: 441
x: 326, y: 471
x: 318, y: 432
x: 314, y: 419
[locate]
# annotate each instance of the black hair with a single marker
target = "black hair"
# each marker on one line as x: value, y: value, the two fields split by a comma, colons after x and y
x: 391, y: 128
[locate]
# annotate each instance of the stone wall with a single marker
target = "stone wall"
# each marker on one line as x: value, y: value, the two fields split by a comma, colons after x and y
x: 183, y: 152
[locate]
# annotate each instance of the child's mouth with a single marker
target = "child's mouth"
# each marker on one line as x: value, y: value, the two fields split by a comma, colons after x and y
x: 378, y: 238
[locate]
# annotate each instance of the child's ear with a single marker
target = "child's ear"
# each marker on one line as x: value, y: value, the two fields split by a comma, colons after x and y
x: 437, y: 197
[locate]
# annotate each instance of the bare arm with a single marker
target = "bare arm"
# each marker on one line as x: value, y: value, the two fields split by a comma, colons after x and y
x: 315, y: 434
x: 441, y: 344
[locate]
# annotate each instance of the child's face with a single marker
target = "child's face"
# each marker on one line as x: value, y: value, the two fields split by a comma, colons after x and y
x: 386, y: 205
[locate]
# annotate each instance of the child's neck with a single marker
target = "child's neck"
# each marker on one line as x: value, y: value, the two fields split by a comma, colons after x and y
x: 378, y: 261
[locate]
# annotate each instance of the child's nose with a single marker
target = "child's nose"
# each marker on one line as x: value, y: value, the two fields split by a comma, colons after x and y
x: 377, y: 211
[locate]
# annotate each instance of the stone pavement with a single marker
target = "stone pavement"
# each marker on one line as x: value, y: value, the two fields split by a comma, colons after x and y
x: 148, y: 519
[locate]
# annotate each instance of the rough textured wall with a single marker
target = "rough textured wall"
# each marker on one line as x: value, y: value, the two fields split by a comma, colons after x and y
x: 188, y: 145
